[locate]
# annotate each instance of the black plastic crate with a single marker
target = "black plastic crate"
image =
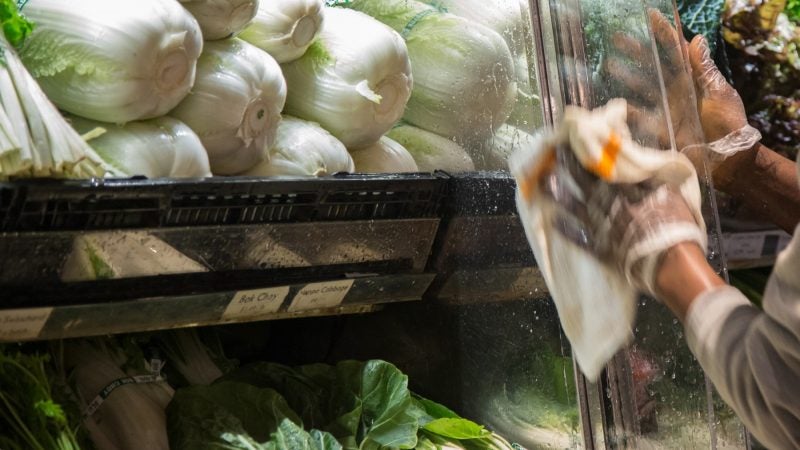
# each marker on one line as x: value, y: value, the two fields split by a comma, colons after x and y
x: 42, y: 205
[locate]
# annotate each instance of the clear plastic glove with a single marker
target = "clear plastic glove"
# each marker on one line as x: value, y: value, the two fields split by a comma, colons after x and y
x: 696, y: 91
x: 654, y: 122
x: 722, y: 113
x: 626, y: 226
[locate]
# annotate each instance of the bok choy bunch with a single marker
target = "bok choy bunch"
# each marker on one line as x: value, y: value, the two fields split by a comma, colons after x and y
x: 464, y: 84
x: 385, y: 156
x: 34, y: 139
x: 156, y: 148
x: 304, y: 148
x: 112, y: 61
x: 431, y: 151
x: 220, y: 19
x: 354, y: 80
x: 235, y: 104
x: 285, y: 28
x: 132, y: 416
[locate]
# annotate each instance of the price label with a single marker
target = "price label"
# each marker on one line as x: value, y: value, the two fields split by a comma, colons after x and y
x: 754, y: 245
x: 255, y: 302
x: 321, y: 295
x: 23, y: 324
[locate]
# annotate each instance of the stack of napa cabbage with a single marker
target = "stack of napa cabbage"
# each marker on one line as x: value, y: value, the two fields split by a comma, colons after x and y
x: 155, y: 93
x: 191, y: 88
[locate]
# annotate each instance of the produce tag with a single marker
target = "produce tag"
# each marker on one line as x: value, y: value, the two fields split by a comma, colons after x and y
x: 744, y: 246
x: 255, y: 302
x: 22, y: 324
x: 111, y: 387
x: 321, y: 295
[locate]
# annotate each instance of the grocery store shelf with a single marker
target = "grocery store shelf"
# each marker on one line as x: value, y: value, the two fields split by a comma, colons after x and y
x: 481, y: 253
x: 44, y: 317
x: 99, y: 204
x: 455, y: 238
x: 176, y: 253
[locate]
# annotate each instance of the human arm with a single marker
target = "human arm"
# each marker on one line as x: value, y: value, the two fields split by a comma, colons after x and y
x: 761, y: 179
x: 751, y: 356
x: 765, y: 182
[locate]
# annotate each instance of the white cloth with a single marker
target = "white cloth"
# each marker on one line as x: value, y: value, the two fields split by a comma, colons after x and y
x: 753, y: 356
x: 596, y: 303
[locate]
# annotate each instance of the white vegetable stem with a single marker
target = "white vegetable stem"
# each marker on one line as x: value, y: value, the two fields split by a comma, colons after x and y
x: 235, y: 104
x: 303, y: 148
x: 285, y: 28
x: 36, y: 140
x: 385, y: 156
x: 129, y: 419
x: 354, y: 80
x: 112, y: 61
x: 220, y: 19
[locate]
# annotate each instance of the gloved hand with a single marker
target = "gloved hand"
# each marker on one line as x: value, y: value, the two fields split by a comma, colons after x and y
x: 696, y: 91
x: 627, y: 226
x: 722, y: 113
x: 639, y: 73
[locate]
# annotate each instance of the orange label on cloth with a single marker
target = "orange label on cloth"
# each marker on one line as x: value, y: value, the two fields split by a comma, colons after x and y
x: 608, y: 157
x: 528, y: 184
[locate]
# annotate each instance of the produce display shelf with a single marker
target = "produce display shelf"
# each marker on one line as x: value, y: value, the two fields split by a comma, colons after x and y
x: 118, y: 306
x: 366, y: 236
x: 101, y: 204
x: 456, y: 238
x: 481, y: 253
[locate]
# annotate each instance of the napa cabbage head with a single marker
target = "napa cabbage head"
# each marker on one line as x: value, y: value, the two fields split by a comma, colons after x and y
x: 285, y: 28
x: 385, y: 156
x: 235, y: 104
x: 464, y: 84
x: 503, y: 16
x: 354, y: 80
x: 303, y: 148
x: 112, y: 61
x: 221, y: 19
x: 156, y: 148
x: 431, y: 151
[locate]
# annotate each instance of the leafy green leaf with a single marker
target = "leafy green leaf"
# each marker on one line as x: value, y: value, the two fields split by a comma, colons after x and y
x: 793, y: 10
x: 225, y: 415
x: 457, y: 429
x: 702, y: 17
x: 29, y: 415
x: 291, y: 436
x: 15, y: 26
x: 436, y: 410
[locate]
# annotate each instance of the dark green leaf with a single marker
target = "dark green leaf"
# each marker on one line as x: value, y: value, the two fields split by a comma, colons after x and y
x: 224, y: 413
x: 702, y: 17
x: 388, y: 411
x: 436, y: 410
x: 290, y: 436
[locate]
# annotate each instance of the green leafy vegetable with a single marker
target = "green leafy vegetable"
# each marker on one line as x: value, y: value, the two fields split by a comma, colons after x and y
x: 225, y: 413
x: 29, y: 416
x: 702, y: 17
x: 15, y: 26
x: 793, y: 10
x: 365, y: 406
x: 291, y: 436
x: 456, y: 428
